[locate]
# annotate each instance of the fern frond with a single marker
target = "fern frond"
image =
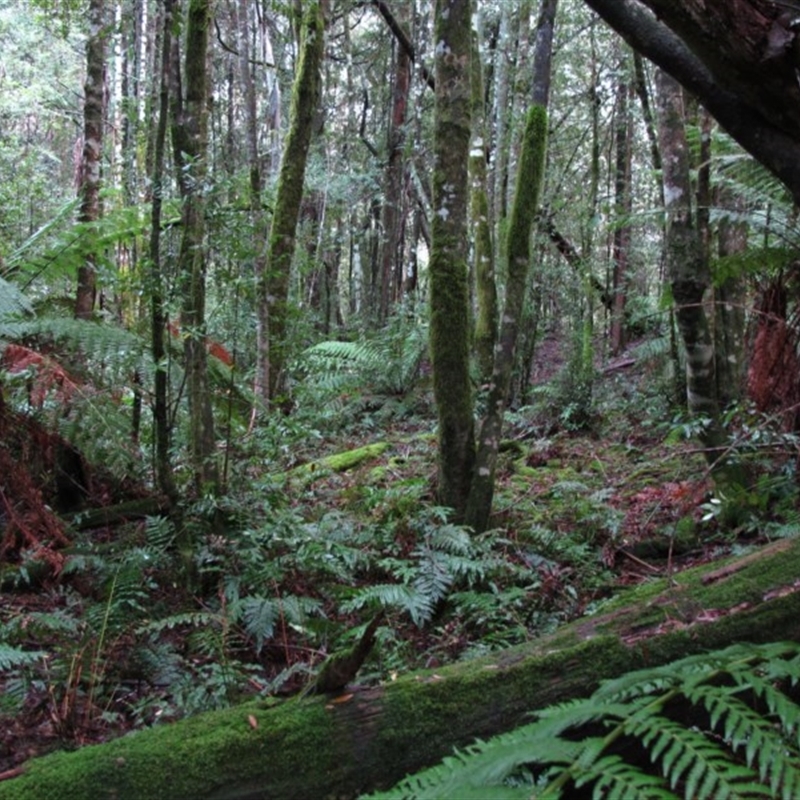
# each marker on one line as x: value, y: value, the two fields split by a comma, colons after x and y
x: 404, y: 598
x: 192, y: 619
x: 14, y: 657
x: 13, y: 303
x: 699, y: 760
x: 615, y: 779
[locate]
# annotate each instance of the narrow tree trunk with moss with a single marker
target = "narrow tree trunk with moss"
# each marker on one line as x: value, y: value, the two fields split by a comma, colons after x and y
x: 190, y: 141
x: 689, y: 278
x: 623, y: 203
x: 730, y: 297
x: 90, y: 171
x: 158, y: 315
x: 524, y: 212
x: 449, y: 331
x: 481, y: 221
x: 274, y: 288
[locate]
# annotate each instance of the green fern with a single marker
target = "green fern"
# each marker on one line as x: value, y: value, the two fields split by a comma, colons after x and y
x: 387, y: 363
x: 13, y: 303
x: 712, y: 726
x: 14, y: 657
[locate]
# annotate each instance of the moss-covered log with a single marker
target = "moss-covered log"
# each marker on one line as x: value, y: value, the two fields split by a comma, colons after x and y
x: 318, y: 747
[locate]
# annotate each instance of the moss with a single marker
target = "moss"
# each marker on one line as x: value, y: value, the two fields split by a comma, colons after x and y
x: 316, y: 748
x: 339, y: 462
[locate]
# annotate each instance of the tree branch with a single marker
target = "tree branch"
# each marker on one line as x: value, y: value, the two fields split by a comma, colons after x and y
x: 403, y: 40
x: 761, y: 134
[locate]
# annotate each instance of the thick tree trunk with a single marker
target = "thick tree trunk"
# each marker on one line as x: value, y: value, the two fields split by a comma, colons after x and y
x: 339, y: 747
x: 449, y: 331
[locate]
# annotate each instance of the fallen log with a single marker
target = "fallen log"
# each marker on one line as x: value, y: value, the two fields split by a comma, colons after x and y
x: 338, y: 747
x: 120, y: 513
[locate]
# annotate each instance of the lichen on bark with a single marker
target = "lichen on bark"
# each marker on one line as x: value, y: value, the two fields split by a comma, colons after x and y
x: 449, y: 333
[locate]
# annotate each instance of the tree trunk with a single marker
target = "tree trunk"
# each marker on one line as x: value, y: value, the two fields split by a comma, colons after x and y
x: 481, y: 221
x: 158, y: 315
x: 449, y: 299
x: 190, y: 141
x: 274, y: 290
x: 687, y: 270
x: 393, y: 215
x: 523, y: 214
x: 364, y: 739
x: 90, y: 172
x: 730, y: 297
x: 623, y: 204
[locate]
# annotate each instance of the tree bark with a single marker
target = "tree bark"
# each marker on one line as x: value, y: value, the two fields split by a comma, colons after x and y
x: 158, y: 316
x: 370, y: 738
x: 523, y: 214
x: 393, y: 213
x: 730, y: 298
x: 736, y: 56
x: 274, y: 290
x: 486, y: 302
x: 623, y: 205
x: 190, y: 142
x: 90, y: 172
x: 449, y: 290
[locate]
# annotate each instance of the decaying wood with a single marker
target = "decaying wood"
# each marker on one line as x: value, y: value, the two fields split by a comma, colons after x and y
x: 122, y: 512
x: 323, y: 746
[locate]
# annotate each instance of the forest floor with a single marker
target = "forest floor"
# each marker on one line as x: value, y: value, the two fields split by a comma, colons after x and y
x: 580, y: 511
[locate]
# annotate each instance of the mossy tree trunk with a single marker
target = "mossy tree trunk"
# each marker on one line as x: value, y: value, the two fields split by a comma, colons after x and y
x: 623, y: 204
x: 486, y: 302
x: 689, y: 277
x: 523, y: 215
x: 90, y: 168
x: 190, y: 143
x: 312, y: 747
x: 449, y: 332
x: 273, y: 290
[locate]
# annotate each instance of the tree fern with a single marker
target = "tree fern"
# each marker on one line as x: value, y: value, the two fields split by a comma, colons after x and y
x: 714, y: 726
